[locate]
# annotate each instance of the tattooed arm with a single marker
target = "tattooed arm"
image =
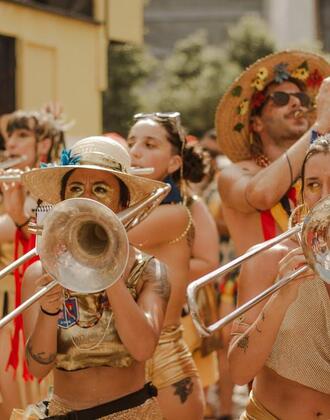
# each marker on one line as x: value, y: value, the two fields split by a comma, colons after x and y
x: 139, y: 322
x: 255, y: 332
x: 40, y: 328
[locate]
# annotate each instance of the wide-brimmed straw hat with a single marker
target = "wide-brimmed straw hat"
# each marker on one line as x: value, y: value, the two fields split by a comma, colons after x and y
x: 92, y: 153
x: 232, y: 119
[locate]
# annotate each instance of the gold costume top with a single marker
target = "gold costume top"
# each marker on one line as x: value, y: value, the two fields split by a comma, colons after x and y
x: 87, y: 336
x: 301, y: 351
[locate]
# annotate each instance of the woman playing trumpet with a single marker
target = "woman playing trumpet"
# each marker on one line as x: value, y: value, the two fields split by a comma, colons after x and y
x: 96, y: 344
x: 36, y: 136
x: 284, y: 345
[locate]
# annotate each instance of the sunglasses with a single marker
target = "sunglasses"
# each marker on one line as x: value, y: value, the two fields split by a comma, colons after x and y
x: 173, y: 117
x: 283, y: 98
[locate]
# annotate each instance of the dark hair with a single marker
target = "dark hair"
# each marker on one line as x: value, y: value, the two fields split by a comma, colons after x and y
x: 320, y: 145
x: 194, y: 160
x: 43, y: 125
x: 256, y: 146
x: 124, y: 197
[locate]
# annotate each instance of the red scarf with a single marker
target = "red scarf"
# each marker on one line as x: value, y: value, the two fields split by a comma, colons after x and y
x: 22, y: 246
x: 278, y: 215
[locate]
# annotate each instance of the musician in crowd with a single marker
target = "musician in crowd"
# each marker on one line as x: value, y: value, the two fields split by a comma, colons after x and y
x: 285, y: 343
x: 226, y: 286
x: 34, y: 136
x: 96, y: 344
x: 264, y: 125
x: 157, y: 140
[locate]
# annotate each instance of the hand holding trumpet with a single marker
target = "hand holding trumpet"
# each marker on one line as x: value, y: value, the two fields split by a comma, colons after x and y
x: 53, y: 300
x: 289, y: 264
x: 13, y: 195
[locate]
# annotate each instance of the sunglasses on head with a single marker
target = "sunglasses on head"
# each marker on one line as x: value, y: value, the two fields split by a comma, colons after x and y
x: 173, y: 117
x: 283, y: 98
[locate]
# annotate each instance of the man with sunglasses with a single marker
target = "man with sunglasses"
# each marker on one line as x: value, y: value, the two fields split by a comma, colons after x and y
x: 265, y: 123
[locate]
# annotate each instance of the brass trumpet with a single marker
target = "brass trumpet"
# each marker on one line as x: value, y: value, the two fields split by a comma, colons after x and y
x: 88, y: 249
x: 314, y: 236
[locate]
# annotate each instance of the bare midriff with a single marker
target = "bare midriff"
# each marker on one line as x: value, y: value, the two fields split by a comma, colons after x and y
x: 290, y: 400
x: 89, y: 387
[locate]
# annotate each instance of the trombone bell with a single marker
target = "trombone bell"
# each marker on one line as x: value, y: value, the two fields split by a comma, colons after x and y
x: 84, y: 245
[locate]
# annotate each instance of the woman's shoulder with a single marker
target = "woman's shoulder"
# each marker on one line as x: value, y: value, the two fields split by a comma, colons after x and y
x: 33, y: 271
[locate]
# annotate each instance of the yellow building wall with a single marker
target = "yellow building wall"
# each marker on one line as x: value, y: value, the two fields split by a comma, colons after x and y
x: 125, y: 20
x: 60, y: 59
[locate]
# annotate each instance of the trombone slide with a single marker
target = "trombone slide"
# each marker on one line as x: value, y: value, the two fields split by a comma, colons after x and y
x: 197, y: 284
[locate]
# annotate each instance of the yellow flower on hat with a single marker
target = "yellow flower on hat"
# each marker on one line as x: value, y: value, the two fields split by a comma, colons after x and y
x: 262, y: 73
x: 243, y: 107
x: 258, y: 84
x: 301, y: 73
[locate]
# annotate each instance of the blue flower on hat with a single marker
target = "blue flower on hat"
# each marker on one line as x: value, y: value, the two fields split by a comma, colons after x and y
x: 281, y: 72
x: 66, y: 159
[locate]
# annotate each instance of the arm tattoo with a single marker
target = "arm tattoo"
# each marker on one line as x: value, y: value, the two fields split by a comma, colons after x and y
x: 261, y: 318
x: 243, y: 343
x: 41, y: 357
x: 156, y: 275
x: 183, y: 389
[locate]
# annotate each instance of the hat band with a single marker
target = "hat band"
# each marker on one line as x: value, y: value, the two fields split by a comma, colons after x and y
x: 101, y: 159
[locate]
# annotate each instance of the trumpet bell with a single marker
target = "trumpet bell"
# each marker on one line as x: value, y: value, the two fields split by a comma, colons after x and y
x: 315, y: 239
x: 88, y: 249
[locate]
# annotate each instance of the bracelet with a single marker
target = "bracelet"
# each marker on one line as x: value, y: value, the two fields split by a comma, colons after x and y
x: 23, y: 224
x: 290, y: 167
x: 49, y: 313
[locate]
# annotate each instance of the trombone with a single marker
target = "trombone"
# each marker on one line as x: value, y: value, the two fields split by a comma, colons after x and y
x: 314, y: 237
x: 88, y: 250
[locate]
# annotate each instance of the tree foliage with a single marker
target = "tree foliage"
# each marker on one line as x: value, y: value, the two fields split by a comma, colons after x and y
x: 128, y: 66
x: 190, y: 80
x: 249, y: 40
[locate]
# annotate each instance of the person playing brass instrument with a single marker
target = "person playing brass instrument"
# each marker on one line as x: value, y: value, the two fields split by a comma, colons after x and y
x: 96, y: 344
x: 35, y: 136
x: 285, y: 343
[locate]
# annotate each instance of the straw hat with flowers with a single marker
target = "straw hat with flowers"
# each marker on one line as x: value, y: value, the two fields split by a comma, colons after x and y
x: 92, y: 153
x: 247, y: 92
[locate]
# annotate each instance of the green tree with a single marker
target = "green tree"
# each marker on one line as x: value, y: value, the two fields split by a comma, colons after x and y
x: 249, y: 40
x: 196, y: 74
x: 128, y: 67
x: 191, y: 80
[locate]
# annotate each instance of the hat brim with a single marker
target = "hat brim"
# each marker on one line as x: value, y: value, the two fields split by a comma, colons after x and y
x: 232, y: 118
x: 45, y: 183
